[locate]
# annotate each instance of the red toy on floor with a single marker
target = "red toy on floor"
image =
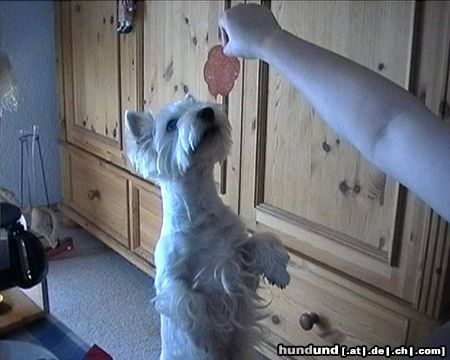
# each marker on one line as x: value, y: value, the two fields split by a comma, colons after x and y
x: 97, y: 353
x: 64, y: 246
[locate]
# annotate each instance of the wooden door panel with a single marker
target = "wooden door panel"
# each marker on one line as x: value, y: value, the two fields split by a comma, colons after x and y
x: 332, y: 187
x: 309, y: 185
x: 96, y: 68
x: 178, y: 35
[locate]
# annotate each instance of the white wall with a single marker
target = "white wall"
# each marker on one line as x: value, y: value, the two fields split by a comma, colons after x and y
x: 27, y: 36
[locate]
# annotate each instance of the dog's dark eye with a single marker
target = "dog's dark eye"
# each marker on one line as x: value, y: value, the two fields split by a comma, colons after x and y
x: 172, y: 125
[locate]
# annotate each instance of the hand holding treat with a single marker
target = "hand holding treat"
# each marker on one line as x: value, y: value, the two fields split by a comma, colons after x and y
x: 246, y: 29
x: 220, y: 71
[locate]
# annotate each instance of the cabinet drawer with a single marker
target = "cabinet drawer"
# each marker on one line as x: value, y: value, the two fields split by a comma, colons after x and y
x: 100, y: 195
x: 150, y: 218
x: 146, y: 218
x: 344, y: 317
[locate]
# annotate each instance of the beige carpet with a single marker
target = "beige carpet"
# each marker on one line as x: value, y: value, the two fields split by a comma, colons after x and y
x: 104, y: 299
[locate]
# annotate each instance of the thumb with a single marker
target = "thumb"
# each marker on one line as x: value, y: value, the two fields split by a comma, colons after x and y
x: 230, y: 50
x: 223, y: 36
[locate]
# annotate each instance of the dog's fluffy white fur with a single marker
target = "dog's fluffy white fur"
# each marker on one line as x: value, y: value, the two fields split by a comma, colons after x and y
x: 207, y: 265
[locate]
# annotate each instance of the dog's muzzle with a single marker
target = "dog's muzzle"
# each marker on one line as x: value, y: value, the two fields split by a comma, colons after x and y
x: 210, y: 132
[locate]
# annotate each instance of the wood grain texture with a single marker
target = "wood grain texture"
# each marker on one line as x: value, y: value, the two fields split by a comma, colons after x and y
x: 432, y: 57
x: 91, y: 78
x: 337, y: 300
x: 131, y: 64
x: 60, y: 77
x: 352, y: 210
x: 249, y: 116
x: 431, y: 85
x: 24, y: 310
x: 233, y: 163
x: 106, y: 238
x: 330, y: 183
x: 66, y: 64
x: 344, y: 317
x: 178, y: 35
x: 149, y: 219
x: 132, y: 71
x: 100, y: 195
x: 96, y: 67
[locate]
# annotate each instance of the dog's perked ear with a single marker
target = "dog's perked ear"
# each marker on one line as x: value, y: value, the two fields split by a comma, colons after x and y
x: 138, y: 150
x: 138, y: 123
x: 190, y: 98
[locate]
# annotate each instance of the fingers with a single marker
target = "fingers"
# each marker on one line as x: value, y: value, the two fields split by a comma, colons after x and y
x: 227, y: 35
x: 228, y: 51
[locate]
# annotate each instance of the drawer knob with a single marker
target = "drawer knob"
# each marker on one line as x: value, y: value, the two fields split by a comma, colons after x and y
x: 92, y: 194
x: 307, y: 321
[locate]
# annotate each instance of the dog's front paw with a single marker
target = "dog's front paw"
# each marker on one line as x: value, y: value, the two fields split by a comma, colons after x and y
x: 279, y: 276
x: 271, y: 258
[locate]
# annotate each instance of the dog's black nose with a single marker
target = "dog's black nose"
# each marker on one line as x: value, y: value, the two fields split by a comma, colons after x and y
x: 206, y: 114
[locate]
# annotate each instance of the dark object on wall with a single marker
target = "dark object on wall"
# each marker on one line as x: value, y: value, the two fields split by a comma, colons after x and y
x: 125, y: 14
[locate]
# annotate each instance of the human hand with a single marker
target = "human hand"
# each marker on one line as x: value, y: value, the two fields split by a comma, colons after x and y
x: 245, y: 29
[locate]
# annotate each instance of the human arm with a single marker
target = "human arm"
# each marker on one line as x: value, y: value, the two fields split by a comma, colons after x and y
x: 388, y: 125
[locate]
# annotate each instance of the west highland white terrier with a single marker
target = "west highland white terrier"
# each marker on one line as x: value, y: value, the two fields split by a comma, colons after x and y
x: 208, y: 267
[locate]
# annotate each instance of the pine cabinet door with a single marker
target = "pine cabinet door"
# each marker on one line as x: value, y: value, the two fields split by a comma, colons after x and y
x: 177, y: 36
x: 303, y: 181
x: 92, y: 77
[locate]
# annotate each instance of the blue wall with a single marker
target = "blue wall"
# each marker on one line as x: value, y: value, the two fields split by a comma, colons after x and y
x: 27, y: 36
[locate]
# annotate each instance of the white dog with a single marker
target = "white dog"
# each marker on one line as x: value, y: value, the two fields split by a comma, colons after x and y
x: 207, y: 266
